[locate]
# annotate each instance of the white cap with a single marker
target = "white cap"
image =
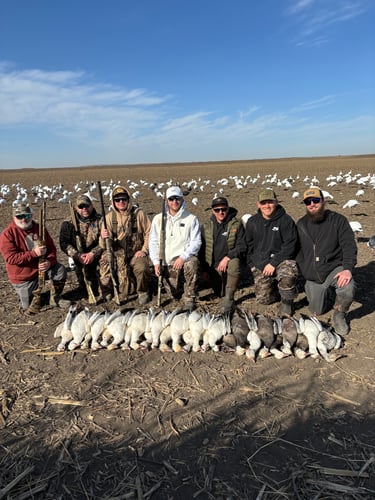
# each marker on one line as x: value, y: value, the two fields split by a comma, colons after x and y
x: 174, y: 191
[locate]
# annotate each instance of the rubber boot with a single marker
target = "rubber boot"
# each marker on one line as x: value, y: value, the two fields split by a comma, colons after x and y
x: 143, y: 298
x: 286, y: 308
x: 340, y: 324
x: 55, y: 300
x: 227, y: 303
x: 340, y: 307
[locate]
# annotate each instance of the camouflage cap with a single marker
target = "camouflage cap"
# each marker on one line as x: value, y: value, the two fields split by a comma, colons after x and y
x: 119, y: 190
x: 266, y: 194
x: 21, y: 208
x: 83, y: 199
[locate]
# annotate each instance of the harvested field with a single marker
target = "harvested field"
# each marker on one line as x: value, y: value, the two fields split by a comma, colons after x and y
x: 152, y: 425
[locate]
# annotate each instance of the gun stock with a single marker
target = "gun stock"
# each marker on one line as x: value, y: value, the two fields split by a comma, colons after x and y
x: 109, y: 249
x: 161, y: 251
x: 90, y: 293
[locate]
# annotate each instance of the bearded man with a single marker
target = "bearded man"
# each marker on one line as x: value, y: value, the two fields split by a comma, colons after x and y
x: 25, y: 255
x: 327, y: 257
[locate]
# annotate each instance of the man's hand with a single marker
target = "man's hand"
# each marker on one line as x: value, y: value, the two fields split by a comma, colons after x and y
x: 40, y: 251
x: 86, y: 258
x: 44, y: 266
x: 157, y: 269
x: 268, y: 270
x: 223, y: 264
x: 343, y: 278
x: 178, y: 264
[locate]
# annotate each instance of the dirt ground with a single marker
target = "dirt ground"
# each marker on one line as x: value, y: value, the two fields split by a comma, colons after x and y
x: 152, y: 425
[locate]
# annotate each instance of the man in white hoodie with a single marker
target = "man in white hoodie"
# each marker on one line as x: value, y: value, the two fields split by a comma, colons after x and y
x: 182, y: 243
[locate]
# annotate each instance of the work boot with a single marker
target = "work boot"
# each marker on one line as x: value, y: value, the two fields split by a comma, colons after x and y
x: 189, y: 304
x: 227, y: 303
x: 143, y: 298
x: 55, y: 297
x: 340, y: 324
x: 286, y: 308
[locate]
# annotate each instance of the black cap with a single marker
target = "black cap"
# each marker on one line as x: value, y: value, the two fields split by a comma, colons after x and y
x: 219, y: 201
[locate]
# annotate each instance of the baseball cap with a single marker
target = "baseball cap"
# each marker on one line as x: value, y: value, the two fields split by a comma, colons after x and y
x: 119, y: 190
x: 219, y: 201
x: 174, y: 191
x: 83, y: 199
x: 266, y: 194
x: 21, y: 209
x: 313, y: 192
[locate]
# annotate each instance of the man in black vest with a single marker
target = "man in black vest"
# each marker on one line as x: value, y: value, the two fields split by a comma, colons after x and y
x: 223, y: 245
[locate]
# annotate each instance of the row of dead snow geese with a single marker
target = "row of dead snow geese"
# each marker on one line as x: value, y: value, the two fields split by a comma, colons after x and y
x: 256, y: 336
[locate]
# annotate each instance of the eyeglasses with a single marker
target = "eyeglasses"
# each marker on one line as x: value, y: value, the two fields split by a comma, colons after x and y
x: 123, y: 199
x: 221, y: 209
x: 267, y: 202
x: 308, y: 201
x: 83, y: 205
x: 23, y: 216
x: 174, y: 198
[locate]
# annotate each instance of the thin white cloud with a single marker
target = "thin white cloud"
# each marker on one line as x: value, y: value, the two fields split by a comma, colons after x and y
x: 105, y: 124
x: 313, y: 18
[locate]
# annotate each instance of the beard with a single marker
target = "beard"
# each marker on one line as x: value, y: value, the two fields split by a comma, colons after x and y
x: 318, y: 216
x: 22, y: 225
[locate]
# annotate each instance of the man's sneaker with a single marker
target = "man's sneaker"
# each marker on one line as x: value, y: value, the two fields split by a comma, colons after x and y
x: 340, y: 324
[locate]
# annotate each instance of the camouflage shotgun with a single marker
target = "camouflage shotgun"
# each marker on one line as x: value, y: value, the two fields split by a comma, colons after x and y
x: 90, y: 293
x: 109, y: 249
x: 36, y: 303
x: 161, y: 251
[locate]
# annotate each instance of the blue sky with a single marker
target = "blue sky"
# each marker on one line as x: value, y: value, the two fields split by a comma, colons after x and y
x: 86, y: 82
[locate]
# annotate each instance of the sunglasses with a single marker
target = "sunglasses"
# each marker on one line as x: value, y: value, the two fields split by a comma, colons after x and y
x: 175, y: 198
x: 267, y: 202
x: 83, y: 205
x: 221, y: 209
x: 312, y: 200
x: 23, y: 216
x: 123, y: 199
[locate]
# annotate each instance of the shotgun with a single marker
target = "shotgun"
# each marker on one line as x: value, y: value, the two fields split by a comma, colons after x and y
x: 90, y: 293
x: 36, y: 303
x: 161, y: 251
x: 109, y: 249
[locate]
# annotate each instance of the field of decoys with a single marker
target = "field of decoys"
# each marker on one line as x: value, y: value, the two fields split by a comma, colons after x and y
x: 208, y: 405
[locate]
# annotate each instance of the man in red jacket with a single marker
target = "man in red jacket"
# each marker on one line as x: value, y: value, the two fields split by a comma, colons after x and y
x: 25, y: 255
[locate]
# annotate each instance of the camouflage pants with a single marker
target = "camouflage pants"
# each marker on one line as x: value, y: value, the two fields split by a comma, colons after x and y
x: 91, y: 276
x: 283, y: 283
x: 183, y: 282
x: 131, y: 277
x: 219, y: 281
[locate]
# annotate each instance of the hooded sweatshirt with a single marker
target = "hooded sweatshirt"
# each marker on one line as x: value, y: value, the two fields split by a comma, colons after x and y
x: 325, y: 245
x: 182, y: 236
x: 270, y: 241
x: 130, y: 230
